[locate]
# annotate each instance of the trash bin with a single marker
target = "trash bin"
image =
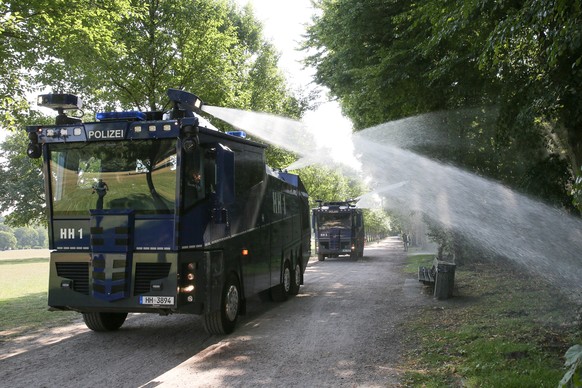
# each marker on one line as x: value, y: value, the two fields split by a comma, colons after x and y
x: 445, y: 280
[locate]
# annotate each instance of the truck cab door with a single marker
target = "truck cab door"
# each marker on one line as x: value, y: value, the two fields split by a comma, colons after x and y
x: 222, y: 194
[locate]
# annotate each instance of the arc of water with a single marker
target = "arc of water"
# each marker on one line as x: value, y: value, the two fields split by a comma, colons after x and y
x: 498, y: 218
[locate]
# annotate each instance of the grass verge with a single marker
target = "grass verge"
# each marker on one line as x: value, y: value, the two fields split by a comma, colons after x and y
x: 23, y: 298
x: 502, y: 328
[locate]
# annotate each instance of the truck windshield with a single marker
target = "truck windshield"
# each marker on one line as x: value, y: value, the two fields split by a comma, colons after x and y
x: 138, y: 175
x: 334, y: 220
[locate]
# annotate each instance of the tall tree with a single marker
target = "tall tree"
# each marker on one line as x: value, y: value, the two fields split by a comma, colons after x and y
x: 126, y: 54
x: 210, y: 48
x: 29, y: 33
x: 391, y: 59
x: 7, y: 240
x: 21, y: 190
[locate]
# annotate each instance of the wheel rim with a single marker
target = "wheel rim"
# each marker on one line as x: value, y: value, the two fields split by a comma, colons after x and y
x: 287, y: 279
x: 231, y: 305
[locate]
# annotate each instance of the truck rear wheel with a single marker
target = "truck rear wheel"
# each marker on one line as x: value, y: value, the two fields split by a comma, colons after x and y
x: 224, y: 320
x: 104, y: 321
x: 281, y: 292
x: 295, y: 279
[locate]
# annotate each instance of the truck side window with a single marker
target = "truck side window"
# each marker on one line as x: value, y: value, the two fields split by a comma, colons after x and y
x: 194, y: 179
x: 209, y: 163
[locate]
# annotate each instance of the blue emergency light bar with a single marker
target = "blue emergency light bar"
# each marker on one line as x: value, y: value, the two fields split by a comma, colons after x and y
x: 132, y: 115
x: 241, y: 134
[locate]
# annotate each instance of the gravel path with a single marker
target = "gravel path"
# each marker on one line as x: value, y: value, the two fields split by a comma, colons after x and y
x: 344, y: 329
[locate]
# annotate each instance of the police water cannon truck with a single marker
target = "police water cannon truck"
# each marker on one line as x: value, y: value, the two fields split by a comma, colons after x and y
x: 339, y: 229
x: 153, y: 212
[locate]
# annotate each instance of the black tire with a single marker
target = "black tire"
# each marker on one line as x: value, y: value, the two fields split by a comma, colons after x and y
x: 104, y: 321
x: 224, y: 321
x: 295, y: 279
x: 281, y: 292
x: 320, y: 257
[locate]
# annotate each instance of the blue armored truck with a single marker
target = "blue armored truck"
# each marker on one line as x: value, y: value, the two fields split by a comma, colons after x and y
x: 153, y: 212
x: 339, y: 230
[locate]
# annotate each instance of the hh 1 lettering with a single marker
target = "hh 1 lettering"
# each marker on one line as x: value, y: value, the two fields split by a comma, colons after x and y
x: 70, y: 233
x: 279, y: 203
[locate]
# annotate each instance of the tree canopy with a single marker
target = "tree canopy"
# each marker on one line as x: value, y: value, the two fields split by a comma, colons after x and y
x: 386, y: 60
x: 125, y: 54
x: 22, y: 189
x: 22, y: 237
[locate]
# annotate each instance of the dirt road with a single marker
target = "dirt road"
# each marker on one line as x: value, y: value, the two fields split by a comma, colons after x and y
x: 343, y: 329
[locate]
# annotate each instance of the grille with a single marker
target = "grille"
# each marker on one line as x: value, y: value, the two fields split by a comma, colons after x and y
x: 146, y: 272
x: 334, y: 242
x: 109, y: 284
x: 78, y: 273
x: 115, y: 289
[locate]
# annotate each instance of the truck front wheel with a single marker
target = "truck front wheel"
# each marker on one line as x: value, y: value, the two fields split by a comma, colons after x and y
x: 224, y: 320
x: 104, y: 321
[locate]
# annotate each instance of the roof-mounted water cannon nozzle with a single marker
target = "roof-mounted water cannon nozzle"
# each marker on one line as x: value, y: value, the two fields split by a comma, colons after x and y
x: 351, y: 202
x: 185, y: 104
x: 60, y: 103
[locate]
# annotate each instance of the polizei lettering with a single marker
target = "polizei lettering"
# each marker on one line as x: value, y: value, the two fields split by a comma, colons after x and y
x: 105, y: 134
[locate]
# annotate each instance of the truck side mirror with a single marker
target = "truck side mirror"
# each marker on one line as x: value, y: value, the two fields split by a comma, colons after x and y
x: 34, y: 149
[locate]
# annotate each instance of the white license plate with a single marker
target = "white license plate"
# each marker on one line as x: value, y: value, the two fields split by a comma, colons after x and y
x: 156, y: 300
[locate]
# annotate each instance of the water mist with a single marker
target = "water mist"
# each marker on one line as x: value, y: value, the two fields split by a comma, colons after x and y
x: 539, y: 237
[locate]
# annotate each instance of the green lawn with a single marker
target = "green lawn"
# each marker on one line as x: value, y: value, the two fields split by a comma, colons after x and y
x: 501, y: 329
x: 23, y: 298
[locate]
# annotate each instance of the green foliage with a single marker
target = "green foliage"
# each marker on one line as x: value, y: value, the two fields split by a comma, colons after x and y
x: 210, y: 48
x: 573, y: 377
x: 26, y: 237
x: 327, y: 185
x: 577, y: 191
x: 452, y: 246
x: 125, y: 54
x: 277, y: 157
x: 22, y: 188
x: 32, y: 33
x: 7, y: 240
x: 391, y: 59
x: 22, y: 237
x: 377, y: 223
